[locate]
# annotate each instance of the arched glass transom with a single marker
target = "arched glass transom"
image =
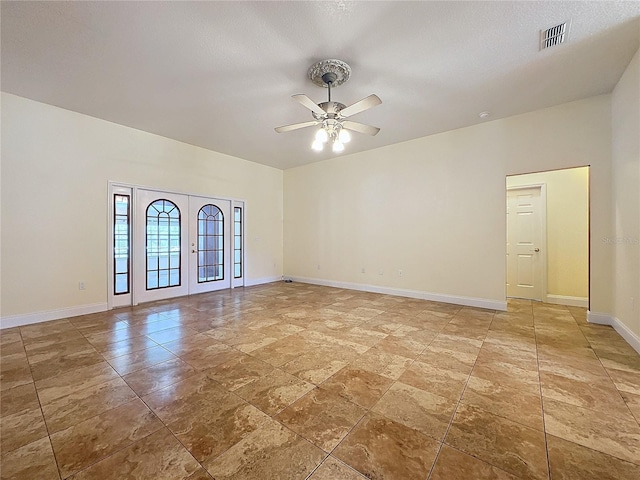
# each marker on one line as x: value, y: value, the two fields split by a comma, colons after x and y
x: 163, y: 245
x: 210, y: 244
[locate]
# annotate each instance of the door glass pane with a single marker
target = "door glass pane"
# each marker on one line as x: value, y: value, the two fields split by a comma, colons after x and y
x: 210, y: 244
x: 121, y: 239
x: 163, y: 245
x: 237, y: 228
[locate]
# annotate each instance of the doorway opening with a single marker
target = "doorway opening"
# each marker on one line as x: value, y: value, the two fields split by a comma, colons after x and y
x: 547, y: 244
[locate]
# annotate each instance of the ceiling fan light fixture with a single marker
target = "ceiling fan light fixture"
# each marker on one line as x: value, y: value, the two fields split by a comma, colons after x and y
x: 331, y: 115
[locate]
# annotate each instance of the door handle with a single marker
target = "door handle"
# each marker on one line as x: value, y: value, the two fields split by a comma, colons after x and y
x: 194, y: 251
x: 536, y: 250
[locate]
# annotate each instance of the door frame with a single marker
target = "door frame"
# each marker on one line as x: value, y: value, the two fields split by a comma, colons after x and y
x: 543, y: 235
x: 112, y: 188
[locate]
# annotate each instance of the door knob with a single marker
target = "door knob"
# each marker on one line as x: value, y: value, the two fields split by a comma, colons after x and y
x: 536, y: 250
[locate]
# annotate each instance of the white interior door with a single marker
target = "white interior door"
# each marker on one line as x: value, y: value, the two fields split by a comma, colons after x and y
x: 210, y: 244
x: 525, y: 255
x: 161, y: 245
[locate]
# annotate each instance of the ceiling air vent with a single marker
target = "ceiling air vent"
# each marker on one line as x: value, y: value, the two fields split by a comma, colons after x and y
x: 554, y: 36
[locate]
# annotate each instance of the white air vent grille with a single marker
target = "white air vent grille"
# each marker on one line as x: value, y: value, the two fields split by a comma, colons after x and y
x: 554, y: 36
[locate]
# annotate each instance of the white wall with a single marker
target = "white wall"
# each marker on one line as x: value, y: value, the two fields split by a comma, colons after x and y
x: 56, y: 165
x: 434, y: 207
x: 624, y: 239
x: 567, y: 231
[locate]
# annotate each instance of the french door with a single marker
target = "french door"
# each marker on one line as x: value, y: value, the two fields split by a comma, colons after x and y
x: 161, y: 244
x: 209, y: 246
x: 167, y: 245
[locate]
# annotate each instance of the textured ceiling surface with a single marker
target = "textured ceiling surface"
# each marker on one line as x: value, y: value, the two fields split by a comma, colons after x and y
x: 220, y: 75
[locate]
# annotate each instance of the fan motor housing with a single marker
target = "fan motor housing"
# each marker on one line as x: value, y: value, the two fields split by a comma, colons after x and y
x: 332, y: 110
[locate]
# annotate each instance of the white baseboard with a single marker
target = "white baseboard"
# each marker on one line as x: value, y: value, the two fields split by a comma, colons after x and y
x: 260, y: 281
x: 624, y: 331
x: 37, y: 317
x: 434, y: 297
x: 567, y: 300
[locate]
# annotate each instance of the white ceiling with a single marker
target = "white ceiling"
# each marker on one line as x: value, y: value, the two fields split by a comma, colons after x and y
x: 220, y: 74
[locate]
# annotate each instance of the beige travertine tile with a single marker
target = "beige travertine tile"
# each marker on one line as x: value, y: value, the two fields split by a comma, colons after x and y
x: 508, y: 375
x: 9, y: 336
x: 31, y: 333
x: 404, y: 346
x: 453, y: 464
x: 439, y: 357
x: 147, y: 328
x: 87, y: 442
x: 322, y: 417
x: 125, y: 347
x: 383, y: 363
x: 239, y: 371
x: 626, y: 381
x: 85, y: 403
x: 135, y: 361
x: 158, y: 376
x: 159, y: 455
x: 66, y: 363
x: 171, y: 334
x: 441, y: 381
x: 14, y: 348
x: 633, y: 403
x: 517, y: 405
x: 570, y: 461
x: 34, y: 461
x: 41, y: 353
x: 14, y: 371
x: 271, y: 451
x: 418, y: 409
x: 318, y: 365
x: 18, y: 399
x: 618, y: 436
x: 508, y: 445
x: 598, y: 394
x: 22, y: 428
x: 381, y: 448
x: 332, y: 469
x: 358, y: 386
x: 55, y: 387
x: 218, y: 427
x: 274, y: 391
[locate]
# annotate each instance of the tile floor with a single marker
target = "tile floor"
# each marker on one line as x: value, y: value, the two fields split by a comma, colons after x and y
x: 293, y: 381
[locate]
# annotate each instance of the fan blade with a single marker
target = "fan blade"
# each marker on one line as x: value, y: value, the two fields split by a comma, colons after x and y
x: 295, y: 126
x: 360, y: 127
x: 307, y: 102
x: 361, y: 106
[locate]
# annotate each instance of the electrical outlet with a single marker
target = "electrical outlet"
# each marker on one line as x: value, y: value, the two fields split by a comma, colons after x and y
x: 399, y: 273
x: 363, y: 270
x: 81, y: 286
x: 318, y: 266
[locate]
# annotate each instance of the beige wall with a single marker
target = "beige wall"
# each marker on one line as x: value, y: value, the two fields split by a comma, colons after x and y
x: 56, y: 165
x: 434, y: 207
x: 624, y: 239
x: 567, y: 229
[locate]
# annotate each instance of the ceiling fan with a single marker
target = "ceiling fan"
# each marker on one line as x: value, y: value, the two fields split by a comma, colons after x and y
x: 332, y: 116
